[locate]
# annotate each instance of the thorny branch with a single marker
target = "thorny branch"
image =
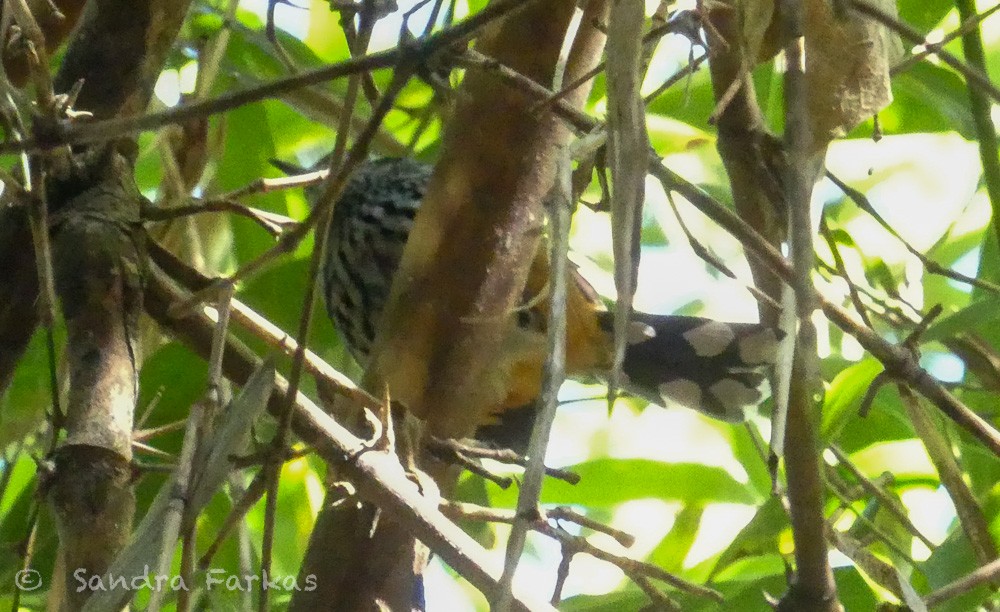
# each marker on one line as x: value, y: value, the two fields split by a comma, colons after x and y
x: 379, y: 475
x: 422, y: 51
x: 324, y: 206
x: 883, y: 350
x: 899, y: 362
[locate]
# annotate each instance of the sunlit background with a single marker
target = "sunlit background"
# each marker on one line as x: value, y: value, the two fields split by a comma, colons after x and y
x: 925, y: 185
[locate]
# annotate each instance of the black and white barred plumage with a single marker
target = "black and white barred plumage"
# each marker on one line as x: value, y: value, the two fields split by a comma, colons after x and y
x: 365, y: 241
x: 710, y: 366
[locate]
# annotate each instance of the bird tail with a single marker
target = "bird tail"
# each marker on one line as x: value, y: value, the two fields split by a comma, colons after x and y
x: 714, y: 367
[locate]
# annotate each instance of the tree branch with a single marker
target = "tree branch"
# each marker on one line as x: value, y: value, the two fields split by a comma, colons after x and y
x: 972, y: 48
x: 898, y: 361
x: 379, y: 477
x: 813, y: 587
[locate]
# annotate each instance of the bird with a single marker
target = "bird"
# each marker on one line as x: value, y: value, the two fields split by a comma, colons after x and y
x: 717, y: 368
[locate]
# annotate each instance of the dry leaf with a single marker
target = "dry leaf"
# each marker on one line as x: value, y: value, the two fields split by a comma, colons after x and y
x: 847, y: 67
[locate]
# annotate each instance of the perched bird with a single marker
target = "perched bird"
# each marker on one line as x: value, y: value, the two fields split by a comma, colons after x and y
x: 710, y: 366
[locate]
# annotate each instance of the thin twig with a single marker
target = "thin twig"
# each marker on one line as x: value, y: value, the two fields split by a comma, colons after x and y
x: 112, y: 129
x: 709, y: 257
x: 985, y: 574
x: 633, y: 568
x: 838, y: 260
x: 675, y: 78
x: 38, y: 59
x: 152, y: 432
x: 574, y: 116
x: 540, y: 523
x: 649, y: 41
x: 846, y: 505
x: 272, y: 35
x: 322, y: 211
x: 862, y: 202
x: 554, y: 372
x: 246, y: 501
x: 269, y: 185
x: 967, y: 26
x: 152, y: 450
x: 890, y: 503
x: 379, y: 477
x: 447, y: 447
x: 897, y: 360
x: 322, y: 207
x: 564, y: 513
x: 906, y: 31
x: 562, y: 574
x: 273, y: 224
x: 475, y: 512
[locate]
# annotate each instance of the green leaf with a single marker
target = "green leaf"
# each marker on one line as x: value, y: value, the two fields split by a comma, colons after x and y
x: 248, y: 147
x: 675, y: 546
x: 928, y: 98
x: 843, y: 398
x: 626, y: 599
x: 878, y: 274
x: 24, y: 403
x: 978, y: 314
x: 325, y: 35
x: 853, y: 591
x: 747, y: 453
x: 608, y: 482
x: 742, y: 595
x: 924, y: 14
x: 982, y: 468
x: 758, y: 538
x: 18, y: 500
x: 757, y: 567
x: 841, y: 236
x: 887, y: 421
x: 174, y: 378
x: 689, y: 101
x: 948, y: 562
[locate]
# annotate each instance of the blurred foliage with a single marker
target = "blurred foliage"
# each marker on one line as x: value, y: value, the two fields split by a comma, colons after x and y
x: 695, y: 492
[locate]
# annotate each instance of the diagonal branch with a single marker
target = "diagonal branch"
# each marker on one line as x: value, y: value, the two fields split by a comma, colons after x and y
x: 132, y: 123
x: 379, y: 476
x: 898, y: 361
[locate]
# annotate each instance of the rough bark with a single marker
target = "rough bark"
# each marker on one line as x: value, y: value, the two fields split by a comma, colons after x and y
x: 771, y: 183
x: 441, y: 350
x: 118, y: 51
x: 747, y: 150
x: 377, y: 474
